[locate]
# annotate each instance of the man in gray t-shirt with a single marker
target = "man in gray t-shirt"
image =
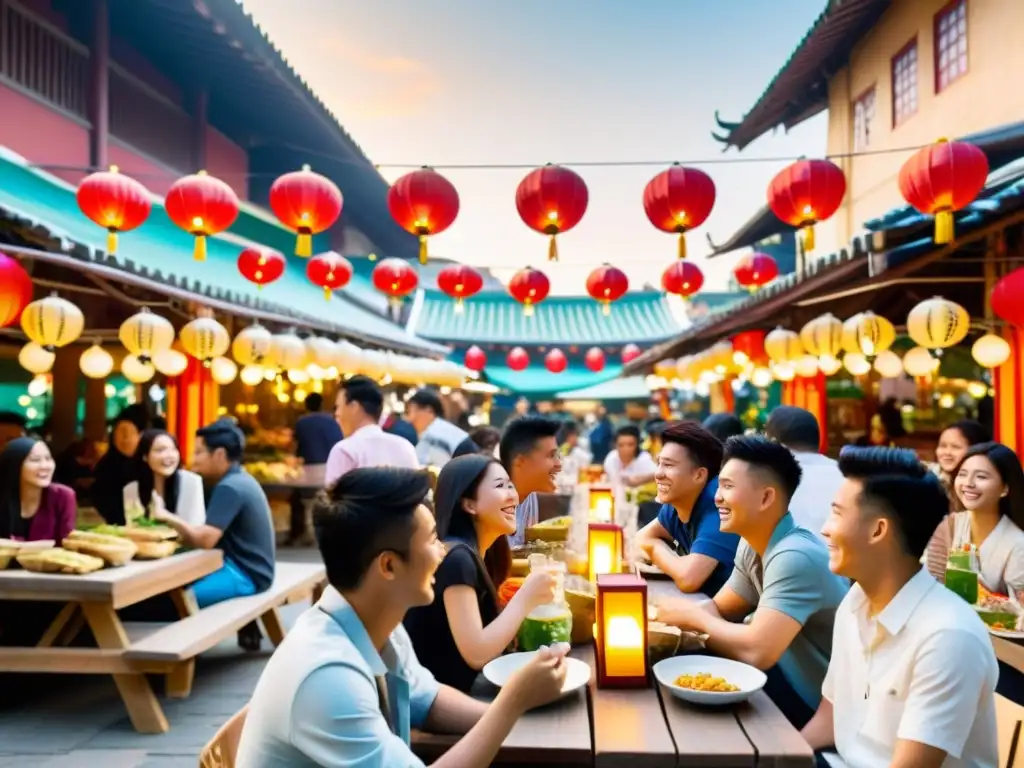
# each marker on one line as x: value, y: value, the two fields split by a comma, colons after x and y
x: 781, y: 583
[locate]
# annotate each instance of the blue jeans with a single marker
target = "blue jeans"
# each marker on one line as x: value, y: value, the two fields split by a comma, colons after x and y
x: 221, y: 585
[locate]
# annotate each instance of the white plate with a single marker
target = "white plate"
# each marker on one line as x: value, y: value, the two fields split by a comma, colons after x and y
x: 1007, y: 634
x: 748, y: 679
x: 500, y: 670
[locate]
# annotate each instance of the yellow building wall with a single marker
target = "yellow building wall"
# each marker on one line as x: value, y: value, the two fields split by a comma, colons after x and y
x: 988, y: 95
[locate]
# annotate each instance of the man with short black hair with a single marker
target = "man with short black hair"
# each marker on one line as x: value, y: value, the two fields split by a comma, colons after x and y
x: 781, y: 576
x: 316, y: 432
x: 357, y: 410
x: 529, y: 452
x: 440, y: 441
x: 684, y: 540
x: 913, y: 674
x: 238, y: 520
x: 628, y: 466
x: 798, y: 430
x: 345, y: 687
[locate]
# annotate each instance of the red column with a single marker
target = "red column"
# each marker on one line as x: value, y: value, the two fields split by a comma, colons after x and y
x: 1008, y: 380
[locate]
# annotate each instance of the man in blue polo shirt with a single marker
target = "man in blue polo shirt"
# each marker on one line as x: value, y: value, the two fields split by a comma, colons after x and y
x: 685, y: 541
x: 782, y: 577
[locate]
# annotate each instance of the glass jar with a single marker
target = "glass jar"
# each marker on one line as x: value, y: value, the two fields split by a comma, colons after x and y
x: 962, y: 572
x: 552, y: 622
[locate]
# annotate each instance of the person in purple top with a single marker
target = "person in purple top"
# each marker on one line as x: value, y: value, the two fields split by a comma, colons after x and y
x: 684, y: 540
x: 32, y: 506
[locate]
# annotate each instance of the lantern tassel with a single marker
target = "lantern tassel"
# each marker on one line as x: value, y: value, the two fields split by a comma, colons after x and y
x: 552, y: 249
x: 527, y: 309
x: 682, y: 246
x: 460, y: 306
x: 943, y: 227
x: 304, y: 245
x: 808, y: 233
x: 199, y: 251
x: 423, y: 249
x: 327, y: 293
x: 111, y: 241
x: 606, y: 308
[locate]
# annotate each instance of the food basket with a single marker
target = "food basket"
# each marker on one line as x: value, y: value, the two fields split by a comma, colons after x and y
x: 59, y: 560
x: 112, y: 549
x: 6, y: 555
x: 554, y: 530
x: 155, y: 550
x: 582, y: 600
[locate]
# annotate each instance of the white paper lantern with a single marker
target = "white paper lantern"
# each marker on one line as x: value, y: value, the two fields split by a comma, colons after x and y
x: 784, y: 371
x: 251, y: 375
x: 919, y: 362
x: 252, y: 345
x: 204, y: 338
x: 856, y: 363
x: 321, y: 351
x: 888, y: 364
x: 990, y: 351
x: 298, y: 376
x: 823, y: 336
x: 829, y: 365
x: 761, y: 377
x: 136, y: 371
x: 806, y: 366
x: 868, y: 334
x: 288, y: 352
x: 34, y: 359
x: 937, y: 323
x: 223, y: 370
x: 96, y: 362
x: 170, y: 362
x: 52, y: 322
x: 348, y: 359
x: 783, y: 345
x: 144, y: 334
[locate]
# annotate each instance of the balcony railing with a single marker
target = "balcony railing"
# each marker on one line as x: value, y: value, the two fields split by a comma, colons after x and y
x: 54, y: 67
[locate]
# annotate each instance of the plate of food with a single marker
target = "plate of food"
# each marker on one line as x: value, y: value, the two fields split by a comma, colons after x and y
x: 709, y: 679
x: 500, y: 670
x: 1002, y: 616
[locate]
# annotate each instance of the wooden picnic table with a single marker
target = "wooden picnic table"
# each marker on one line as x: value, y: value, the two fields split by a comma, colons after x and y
x: 644, y: 728
x: 94, y: 599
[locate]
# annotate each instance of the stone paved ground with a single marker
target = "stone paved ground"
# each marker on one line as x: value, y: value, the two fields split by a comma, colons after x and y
x: 80, y: 721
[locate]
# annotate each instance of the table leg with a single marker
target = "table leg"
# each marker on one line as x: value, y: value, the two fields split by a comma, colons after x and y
x: 272, y: 624
x: 144, y: 710
x: 178, y: 683
x: 55, y: 631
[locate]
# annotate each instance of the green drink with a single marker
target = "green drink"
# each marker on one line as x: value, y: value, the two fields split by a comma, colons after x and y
x: 963, y: 582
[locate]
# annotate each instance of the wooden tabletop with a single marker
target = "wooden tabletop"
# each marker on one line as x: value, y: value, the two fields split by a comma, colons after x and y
x: 121, y: 587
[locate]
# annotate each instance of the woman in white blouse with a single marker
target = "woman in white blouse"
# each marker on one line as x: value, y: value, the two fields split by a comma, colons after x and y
x: 989, y: 484
x: 160, y: 481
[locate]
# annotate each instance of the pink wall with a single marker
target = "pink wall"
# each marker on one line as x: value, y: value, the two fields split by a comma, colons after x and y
x: 42, y: 134
x: 227, y: 161
x: 156, y: 178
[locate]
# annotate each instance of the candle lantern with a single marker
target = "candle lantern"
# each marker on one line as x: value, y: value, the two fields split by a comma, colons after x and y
x: 602, y: 504
x: 604, y: 549
x: 620, y: 634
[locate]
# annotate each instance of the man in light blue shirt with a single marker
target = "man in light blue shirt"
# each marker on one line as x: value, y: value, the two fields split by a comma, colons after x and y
x: 781, y: 576
x: 345, y: 687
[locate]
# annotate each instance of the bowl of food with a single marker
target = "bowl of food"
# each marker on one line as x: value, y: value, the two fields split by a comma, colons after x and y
x: 709, y: 680
x: 554, y: 530
x: 999, y: 613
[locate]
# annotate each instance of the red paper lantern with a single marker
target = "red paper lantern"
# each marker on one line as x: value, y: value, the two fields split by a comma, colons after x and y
x: 517, y: 359
x: 806, y: 192
x: 630, y: 352
x: 755, y: 270
x: 529, y: 287
x: 942, y: 178
x: 202, y: 205
x: 679, y: 199
x: 116, y: 202
x: 307, y: 203
x: 459, y: 281
x: 330, y: 270
x: 395, y: 278
x: 15, y: 290
x: 475, y: 358
x: 1007, y: 298
x: 607, y: 284
x: 552, y: 200
x: 594, y: 359
x: 749, y: 344
x: 261, y: 265
x: 682, y: 278
x: 424, y: 203
x: 556, y: 361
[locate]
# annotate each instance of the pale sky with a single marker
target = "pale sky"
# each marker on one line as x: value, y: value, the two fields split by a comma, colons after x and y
x: 435, y: 82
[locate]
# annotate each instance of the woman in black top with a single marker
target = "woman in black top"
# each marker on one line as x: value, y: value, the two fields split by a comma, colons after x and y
x: 455, y: 636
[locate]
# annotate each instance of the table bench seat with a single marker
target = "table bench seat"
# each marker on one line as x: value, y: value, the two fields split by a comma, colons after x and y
x: 187, y: 638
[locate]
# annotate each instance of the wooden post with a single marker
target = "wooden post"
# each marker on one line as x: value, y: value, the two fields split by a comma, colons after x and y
x: 200, y: 111
x: 64, y: 413
x: 99, y: 77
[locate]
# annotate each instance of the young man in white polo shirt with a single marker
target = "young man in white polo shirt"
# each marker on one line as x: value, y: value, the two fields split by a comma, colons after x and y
x: 912, y: 675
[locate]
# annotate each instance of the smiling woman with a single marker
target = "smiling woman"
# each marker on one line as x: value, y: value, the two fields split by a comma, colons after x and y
x: 32, y: 506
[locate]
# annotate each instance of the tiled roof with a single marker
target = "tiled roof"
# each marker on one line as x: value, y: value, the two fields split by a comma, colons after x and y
x: 493, y: 318
x: 626, y: 388
x: 537, y: 380
x: 161, y: 252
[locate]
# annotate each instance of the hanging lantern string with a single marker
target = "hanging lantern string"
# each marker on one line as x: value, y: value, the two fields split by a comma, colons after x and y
x: 367, y: 165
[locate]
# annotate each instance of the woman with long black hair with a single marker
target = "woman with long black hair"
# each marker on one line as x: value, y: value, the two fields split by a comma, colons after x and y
x: 161, y: 482
x: 32, y: 506
x: 117, y: 467
x: 475, y: 509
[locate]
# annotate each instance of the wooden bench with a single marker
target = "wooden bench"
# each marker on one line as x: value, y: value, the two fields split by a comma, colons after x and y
x: 1008, y: 725
x: 179, y: 643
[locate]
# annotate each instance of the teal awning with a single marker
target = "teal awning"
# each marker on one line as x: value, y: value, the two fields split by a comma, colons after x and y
x: 623, y: 388
x: 496, y: 318
x: 538, y: 380
x: 162, y: 252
